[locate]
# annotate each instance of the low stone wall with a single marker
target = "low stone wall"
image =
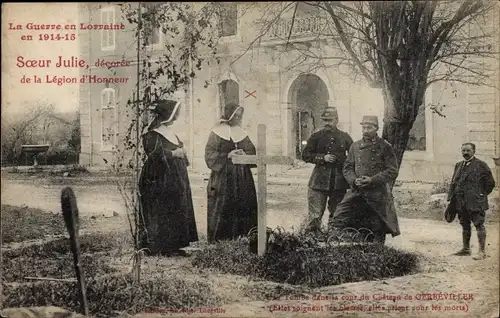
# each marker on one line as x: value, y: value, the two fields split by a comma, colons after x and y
x: 437, y: 204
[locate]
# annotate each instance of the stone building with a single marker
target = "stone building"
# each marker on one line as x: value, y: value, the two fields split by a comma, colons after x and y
x: 288, y: 101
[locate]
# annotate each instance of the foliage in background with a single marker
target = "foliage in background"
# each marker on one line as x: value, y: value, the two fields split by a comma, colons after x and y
x: 442, y: 186
x: 41, y: 124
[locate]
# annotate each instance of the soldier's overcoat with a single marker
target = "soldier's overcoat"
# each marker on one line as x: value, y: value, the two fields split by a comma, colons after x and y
x: 375, y: 159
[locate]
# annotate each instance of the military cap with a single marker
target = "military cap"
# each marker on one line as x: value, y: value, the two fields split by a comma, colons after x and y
x: 329, y: 113
x: 373, y: 120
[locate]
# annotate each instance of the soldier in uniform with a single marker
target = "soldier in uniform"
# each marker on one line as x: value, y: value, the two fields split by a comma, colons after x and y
x: 370, y: 167
x: 327, y: 149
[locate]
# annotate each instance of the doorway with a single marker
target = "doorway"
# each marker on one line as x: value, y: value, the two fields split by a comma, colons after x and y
x: 308, y: 96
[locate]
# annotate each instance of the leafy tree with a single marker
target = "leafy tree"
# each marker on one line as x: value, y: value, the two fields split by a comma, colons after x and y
x: 75, y: 134
x: 18, y: 130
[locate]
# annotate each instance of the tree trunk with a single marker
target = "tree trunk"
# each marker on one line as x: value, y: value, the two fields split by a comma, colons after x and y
x: 397, y: 134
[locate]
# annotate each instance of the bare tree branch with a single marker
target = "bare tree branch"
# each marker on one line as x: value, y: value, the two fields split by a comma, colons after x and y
x: 291, y: 26
x: 262, y: 34
x: 346, y: 42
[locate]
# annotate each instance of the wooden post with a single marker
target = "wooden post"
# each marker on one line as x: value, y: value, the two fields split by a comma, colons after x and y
x: 262, y: 189
x: 137, y: 204
x: 261, y: 160
x: 70, y: 214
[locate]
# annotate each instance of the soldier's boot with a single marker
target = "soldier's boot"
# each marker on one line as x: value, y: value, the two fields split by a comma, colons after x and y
x: 465, y: 251
x: 481, y: 237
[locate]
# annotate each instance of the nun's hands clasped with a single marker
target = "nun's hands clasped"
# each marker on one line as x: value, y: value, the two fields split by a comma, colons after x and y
x: 235, y: 152
x: 178, y: 153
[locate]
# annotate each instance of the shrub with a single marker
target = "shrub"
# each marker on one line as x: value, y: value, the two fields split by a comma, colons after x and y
x: 64, y: 156
x: 298, y: 260
x: 442, y: 186
x: 114, y: 294
x: 79, y: 169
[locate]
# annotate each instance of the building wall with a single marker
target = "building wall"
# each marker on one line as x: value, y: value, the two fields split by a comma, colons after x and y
x: 470, y: 111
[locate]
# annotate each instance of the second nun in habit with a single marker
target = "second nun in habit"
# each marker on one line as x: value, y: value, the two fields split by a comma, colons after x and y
x: 168, y: 222
x: 232, y: 198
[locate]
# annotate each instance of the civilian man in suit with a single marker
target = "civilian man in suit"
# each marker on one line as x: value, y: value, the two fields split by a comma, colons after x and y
x: 471, y: 184
x: 371, y: 166
x: 327, y: 149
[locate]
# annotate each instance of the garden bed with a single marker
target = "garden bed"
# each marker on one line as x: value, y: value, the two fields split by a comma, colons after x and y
x: 297, y: 260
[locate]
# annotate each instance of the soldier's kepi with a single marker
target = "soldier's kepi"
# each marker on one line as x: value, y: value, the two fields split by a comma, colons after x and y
x: 327, y: 149
x: 370, y: 167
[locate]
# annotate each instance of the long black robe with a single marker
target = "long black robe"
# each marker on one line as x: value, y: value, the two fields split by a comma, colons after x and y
x: 232, y: 198
x: 166, y: 199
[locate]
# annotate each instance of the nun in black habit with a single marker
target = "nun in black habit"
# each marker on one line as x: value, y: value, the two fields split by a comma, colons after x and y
x: 168, y: 222
x: 232, y: 198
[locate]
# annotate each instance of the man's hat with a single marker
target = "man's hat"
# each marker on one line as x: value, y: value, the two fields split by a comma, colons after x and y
x: 373, y: 120
x: 329, y: 113
x: 450, y: 213
x: 165, y: 109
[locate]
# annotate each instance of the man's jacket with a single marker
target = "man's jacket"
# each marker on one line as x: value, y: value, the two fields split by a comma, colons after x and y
x: 474, y: 183
x: 327, y: 176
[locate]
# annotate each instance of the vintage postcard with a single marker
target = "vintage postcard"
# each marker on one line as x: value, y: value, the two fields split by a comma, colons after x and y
x: 250, y: 159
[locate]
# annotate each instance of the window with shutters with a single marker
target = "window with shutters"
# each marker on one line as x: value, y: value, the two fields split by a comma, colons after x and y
x: 229, y: 92
x: 108, y: 119
x: 108, y: 37
x: 228, y: 19
x: 153, y: 31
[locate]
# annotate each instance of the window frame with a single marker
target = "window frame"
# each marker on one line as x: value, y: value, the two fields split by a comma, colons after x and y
x: 158, y: 45
x: 108, y: 92
x: 111, y: 33
x: 235, y: 37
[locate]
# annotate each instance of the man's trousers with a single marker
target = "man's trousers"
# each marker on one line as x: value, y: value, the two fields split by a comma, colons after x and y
x: 318, y: 201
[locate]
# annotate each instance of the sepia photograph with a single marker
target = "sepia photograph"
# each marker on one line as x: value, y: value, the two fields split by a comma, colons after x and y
x: 250, y: 159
